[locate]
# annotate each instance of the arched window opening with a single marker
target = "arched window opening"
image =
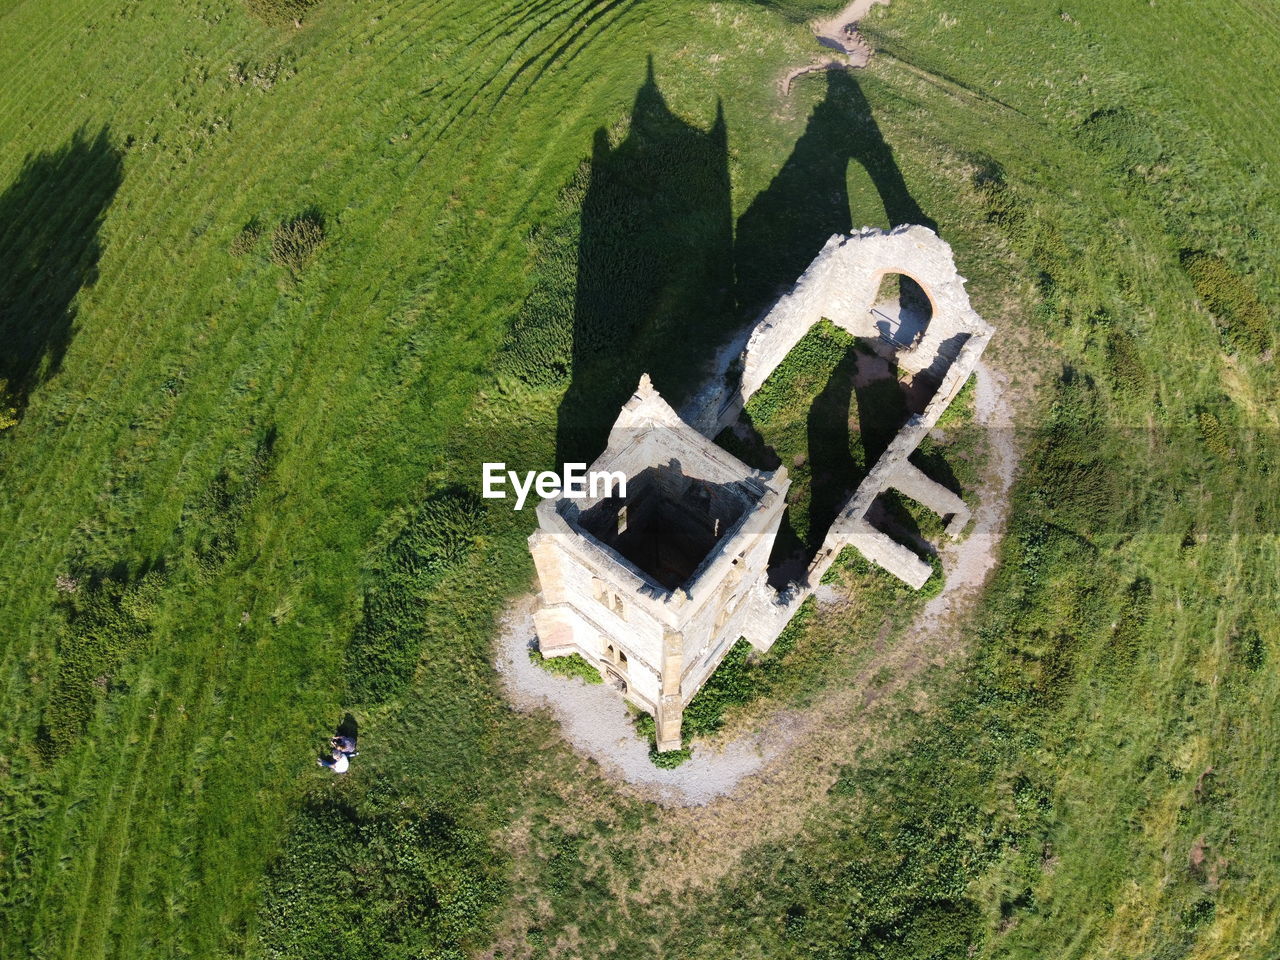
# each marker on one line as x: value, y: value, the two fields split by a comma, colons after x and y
x: 901, y: 311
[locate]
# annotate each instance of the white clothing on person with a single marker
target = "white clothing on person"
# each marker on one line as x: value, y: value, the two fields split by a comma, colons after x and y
x: 338, y: 763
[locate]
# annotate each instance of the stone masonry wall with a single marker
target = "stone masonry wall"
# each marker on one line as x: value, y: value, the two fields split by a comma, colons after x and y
x: 841, y: 285
x: 675, y: 638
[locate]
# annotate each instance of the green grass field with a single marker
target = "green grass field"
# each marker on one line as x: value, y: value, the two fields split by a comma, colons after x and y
x: 239, y: 499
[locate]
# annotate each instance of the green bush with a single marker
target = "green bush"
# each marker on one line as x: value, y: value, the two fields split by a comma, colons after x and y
x: 399, y: 882
x: 384, y: 651
x: 647, y: 728
x: 733, y: 682
x: 804, y: 370
x: 1231, y: 300
x: 280, y: 11
x: 1127, y: 142
x: 296, y: 241
x: 1248, y: 648
x: 1199, y: 914
x: 1127, y: 369
x: 937, y: 580
x: 246, y: 239
x: 670, y: 759
x: 961, y: 409
x: 571, y: 666
x: 106, y: 621
x: 1218, y: 437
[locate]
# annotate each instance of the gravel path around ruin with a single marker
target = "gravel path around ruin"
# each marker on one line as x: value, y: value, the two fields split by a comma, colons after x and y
x: 839, y: 34
x: 595, y: 722
x: 966, y: 564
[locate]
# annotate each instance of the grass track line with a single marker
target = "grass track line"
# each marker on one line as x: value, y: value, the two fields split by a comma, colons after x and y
x: 555, y: 10
x: 530, y: 61
x: 570, y: 9
x: 622, y: 6
x: 113, y: 822
x: 188, y: 714
x: 498, y: 99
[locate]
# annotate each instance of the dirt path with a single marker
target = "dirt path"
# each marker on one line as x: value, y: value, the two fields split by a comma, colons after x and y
x: 791, y: 751
x: 838, y: 34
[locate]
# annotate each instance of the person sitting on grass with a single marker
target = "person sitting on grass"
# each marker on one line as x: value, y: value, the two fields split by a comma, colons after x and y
x: 337, y: 762
x: 344, y: 744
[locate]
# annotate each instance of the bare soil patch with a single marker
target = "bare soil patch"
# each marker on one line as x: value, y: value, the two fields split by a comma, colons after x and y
x: 838, y: 34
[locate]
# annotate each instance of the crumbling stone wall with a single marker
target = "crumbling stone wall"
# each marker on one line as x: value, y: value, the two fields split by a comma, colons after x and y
x: 675, y: 636
x: 655, y: 639
x: 841, y: 285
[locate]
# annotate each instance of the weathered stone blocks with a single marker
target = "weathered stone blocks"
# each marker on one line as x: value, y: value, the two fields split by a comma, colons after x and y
x: 654, y: 587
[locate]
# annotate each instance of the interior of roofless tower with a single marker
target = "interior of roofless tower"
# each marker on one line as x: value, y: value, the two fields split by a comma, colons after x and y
x: 668, y: 523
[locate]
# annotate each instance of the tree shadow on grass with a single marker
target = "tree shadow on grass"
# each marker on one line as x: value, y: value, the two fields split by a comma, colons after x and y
x: 49, y: 250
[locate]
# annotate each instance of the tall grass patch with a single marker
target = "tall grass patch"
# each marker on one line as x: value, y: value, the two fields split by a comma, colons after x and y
x: 386, y: 646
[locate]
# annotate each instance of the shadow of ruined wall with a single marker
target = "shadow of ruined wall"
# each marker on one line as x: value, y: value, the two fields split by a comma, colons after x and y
x: 50, y: 217
x: 808, y: 201
x: 833, y: 470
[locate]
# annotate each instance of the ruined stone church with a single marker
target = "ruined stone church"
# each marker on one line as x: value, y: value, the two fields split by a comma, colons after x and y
x: 654, y: 587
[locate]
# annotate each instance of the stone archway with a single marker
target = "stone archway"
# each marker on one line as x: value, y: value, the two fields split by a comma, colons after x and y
x: 901, y: 316
x: 841, y: 284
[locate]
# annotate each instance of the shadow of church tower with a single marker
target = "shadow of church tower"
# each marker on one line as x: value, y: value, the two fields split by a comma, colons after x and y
x: 655, y: 267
